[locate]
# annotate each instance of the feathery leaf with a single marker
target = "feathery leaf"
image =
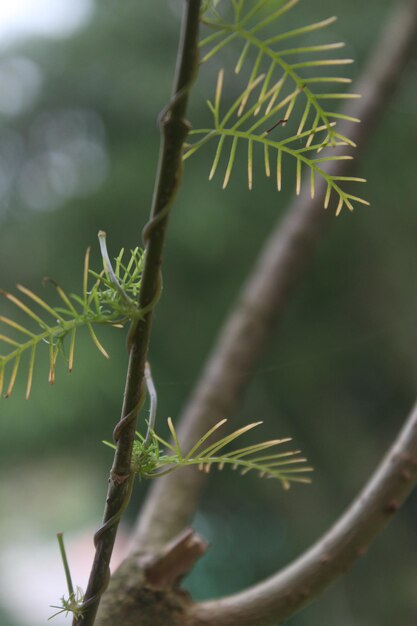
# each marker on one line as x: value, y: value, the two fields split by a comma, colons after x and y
x: 281, y: 81
x: 110, y: 300
x: 150, y: 462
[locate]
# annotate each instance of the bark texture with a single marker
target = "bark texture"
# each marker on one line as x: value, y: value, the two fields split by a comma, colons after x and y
x: 147, y: 591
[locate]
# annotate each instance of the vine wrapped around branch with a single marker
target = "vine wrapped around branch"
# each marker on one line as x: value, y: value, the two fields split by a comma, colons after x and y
x: 174, y: 129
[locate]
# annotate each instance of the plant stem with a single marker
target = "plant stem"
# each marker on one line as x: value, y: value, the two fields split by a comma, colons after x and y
x: 70, y: 586
x: 174, y: 129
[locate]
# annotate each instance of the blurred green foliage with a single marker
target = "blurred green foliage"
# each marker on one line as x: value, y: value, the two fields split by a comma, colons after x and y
x: 339, y: 375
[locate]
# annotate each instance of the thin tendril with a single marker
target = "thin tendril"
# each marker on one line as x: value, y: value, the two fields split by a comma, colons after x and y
x: 154, y: 401
x: 108, y: 266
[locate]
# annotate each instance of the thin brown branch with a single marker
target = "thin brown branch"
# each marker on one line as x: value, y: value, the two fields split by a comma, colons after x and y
x: 172, y: 500
x: 280, y: 596
x: 174, y: 129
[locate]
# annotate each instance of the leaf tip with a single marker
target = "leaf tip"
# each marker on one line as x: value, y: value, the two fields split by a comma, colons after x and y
x: 219, y: 88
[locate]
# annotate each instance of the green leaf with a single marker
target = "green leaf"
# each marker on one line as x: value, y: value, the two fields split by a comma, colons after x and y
x: 150, y: 462
x: 101, y: 303
x: 277, y: 95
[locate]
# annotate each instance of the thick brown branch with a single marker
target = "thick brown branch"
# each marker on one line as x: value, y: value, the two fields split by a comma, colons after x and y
x: 172, y: 500
x: 177, y: 559
x: 147, y: 591
x: 282, y: 595
x: 174, y: 129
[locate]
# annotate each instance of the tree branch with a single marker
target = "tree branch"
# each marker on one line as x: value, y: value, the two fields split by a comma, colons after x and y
x: 172, y: 500
x: 280, y: 596
x: 177, y: 559
x: 174, y: 129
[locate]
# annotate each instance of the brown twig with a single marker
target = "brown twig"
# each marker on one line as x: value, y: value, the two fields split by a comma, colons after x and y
x: 174, y: 129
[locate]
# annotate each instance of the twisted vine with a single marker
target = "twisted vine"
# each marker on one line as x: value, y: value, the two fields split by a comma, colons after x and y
x: 174, y: 130
x: 113, y: 521
x: 123, y: 425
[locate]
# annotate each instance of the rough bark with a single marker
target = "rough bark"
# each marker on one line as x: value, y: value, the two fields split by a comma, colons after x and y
x: 147, y: 591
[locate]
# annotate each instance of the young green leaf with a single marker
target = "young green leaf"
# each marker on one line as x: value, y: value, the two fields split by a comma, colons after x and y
x: 281, y: 82
x: 109, y: 300
x: 149, y: 461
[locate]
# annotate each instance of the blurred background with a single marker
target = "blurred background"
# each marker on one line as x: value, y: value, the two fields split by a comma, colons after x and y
x: 81, y: 86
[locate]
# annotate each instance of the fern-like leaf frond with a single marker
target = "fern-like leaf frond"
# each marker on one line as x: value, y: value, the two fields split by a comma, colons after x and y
x: 149, y: 461
x: 100, y: 303
x: 283, y: 90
